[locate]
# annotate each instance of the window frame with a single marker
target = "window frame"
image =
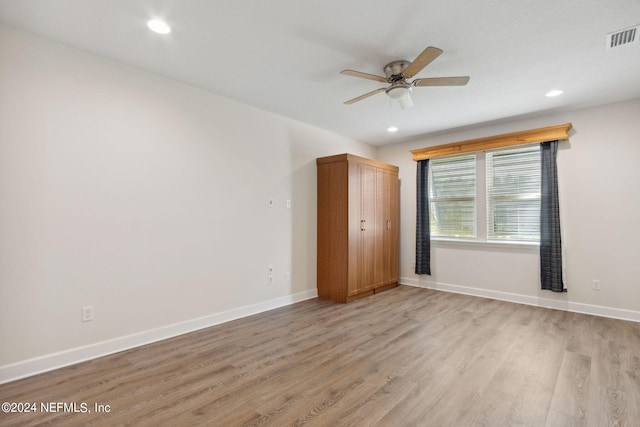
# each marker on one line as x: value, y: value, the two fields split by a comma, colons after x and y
x: 481, y: 235
x: 513, y: 197
x: 459, y: 198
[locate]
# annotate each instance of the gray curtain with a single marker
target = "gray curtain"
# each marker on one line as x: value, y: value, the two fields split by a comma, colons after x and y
x: 550, y: 242
x: 423, y: 232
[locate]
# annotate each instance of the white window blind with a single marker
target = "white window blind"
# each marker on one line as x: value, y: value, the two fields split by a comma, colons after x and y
x: 513, y: 194
x: 452, y: 196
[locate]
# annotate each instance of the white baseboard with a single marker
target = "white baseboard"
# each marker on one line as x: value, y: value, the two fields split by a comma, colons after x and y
x: 37, y: 365
x: 556, y: 304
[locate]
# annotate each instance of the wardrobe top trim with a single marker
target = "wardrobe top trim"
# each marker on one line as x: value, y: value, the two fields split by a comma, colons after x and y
x: 354, y: 158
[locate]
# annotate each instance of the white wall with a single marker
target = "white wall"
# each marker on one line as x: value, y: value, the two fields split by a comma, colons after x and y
x: 599, y: 175
x: 144, y: 198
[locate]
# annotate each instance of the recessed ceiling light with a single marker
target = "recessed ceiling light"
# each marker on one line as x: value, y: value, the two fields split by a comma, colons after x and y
x: 158, y: 26
x: 554, y: 92
x: 392, y: 129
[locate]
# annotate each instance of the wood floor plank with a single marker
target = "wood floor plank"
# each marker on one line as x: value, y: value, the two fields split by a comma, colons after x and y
x: 405, y: 357
x: 545, y: 349
x: 570, y: 400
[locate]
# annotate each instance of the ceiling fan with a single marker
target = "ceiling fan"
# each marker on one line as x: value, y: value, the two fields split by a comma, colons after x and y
x: 397, y: 74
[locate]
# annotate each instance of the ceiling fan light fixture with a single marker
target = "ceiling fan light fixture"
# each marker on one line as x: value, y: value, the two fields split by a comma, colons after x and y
x: 398, y: 91
x: 406, y: 101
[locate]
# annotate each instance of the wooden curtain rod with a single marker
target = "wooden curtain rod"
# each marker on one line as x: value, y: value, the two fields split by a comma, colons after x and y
x: 549, y: 133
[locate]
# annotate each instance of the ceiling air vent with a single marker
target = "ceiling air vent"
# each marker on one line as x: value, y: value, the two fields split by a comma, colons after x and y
x: 620, y: 38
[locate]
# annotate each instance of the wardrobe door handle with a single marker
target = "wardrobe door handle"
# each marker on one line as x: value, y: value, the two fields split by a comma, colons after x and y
x: 388, y: 224
x: 362, y: 225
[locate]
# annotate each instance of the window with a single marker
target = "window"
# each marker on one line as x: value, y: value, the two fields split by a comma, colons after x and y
x: 513, y: 194
x: 452, y: 196
x: 508, y: 184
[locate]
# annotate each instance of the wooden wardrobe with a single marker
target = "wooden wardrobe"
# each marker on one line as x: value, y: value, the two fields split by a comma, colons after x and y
x: 358, y: 227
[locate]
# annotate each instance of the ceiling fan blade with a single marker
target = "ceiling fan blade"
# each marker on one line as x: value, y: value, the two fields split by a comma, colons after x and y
x: 364, y: 75
x: 366, y: 95
x: 424, y: 59
x: 442, y: 81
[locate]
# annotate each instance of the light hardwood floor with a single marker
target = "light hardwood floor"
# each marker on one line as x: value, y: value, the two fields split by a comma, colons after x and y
x: 405, y: 357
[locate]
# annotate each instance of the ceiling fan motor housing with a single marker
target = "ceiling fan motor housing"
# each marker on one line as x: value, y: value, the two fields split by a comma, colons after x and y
x: 399, y: 87
x: 393, y: 70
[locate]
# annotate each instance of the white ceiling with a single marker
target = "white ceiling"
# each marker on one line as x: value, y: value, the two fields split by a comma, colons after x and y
x: 285, y: 56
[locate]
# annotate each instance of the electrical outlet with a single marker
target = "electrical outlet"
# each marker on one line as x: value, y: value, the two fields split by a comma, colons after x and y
x: 595, y: 285
x: 287, y: 276
x: 269, y: 275
x: 87, y: 313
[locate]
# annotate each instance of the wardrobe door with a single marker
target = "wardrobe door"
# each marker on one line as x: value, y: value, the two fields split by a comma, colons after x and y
x: 387, y: 217
x: 380, y: 266
x: 391, y: 232
x: 368, y: 237
x: 354, y: 238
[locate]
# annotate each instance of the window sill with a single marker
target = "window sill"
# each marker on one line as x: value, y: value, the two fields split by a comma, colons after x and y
x: 472, y: 243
